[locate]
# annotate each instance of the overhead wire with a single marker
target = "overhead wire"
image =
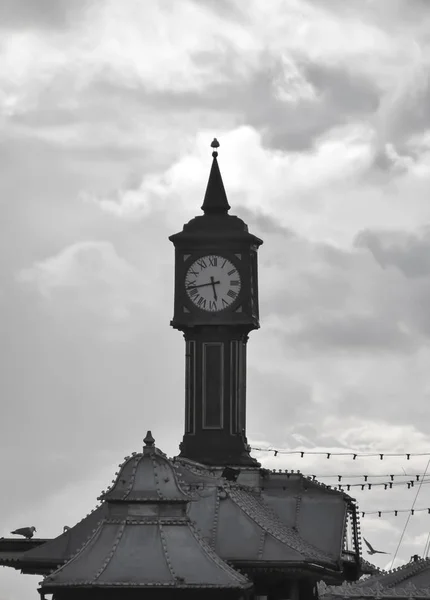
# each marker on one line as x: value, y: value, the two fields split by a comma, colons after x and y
x: 365, y: 477
x: 426, y: 546
x: 368, y: 485
x: 393, y: 511
x: 409, y: 516
x: 387, y: 484
x: 354, y: 454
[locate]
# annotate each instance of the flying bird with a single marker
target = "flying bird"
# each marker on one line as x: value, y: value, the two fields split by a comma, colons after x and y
x: 372, y: 550
x: 27, y: 532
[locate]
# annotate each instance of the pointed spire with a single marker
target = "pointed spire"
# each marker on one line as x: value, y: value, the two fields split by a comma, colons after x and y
x: 215, y: 202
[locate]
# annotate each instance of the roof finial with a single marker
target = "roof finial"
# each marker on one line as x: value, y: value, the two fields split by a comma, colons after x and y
x: 149, y: 440
x: 215, y: 201
x: 215, y: 144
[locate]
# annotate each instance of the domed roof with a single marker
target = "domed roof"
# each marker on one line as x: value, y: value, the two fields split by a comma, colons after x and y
x: 145, y: 540
x: 146, y: 477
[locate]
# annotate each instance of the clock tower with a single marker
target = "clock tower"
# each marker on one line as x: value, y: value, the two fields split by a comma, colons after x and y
x: 216, y: 306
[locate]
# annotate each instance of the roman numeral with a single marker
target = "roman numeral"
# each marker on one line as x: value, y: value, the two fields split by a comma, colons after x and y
x: 193, y: 292
x: 193, y: 272
x: 193, y: 283
x: 213, y: 261
x: 234, y: 282
x: 230, y: 273
x: 224, y: 303
x: 223, y: 264
x: 232, y: 294
x: 212, y: 305
x: 202, y: 264
x: 201, y: 302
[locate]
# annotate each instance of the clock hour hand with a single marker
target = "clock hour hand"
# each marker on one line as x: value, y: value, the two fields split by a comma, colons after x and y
x: 213, y: 288
x: 191, y: 287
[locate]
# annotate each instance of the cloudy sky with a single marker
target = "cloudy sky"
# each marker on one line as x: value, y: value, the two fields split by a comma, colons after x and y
x: 107, y: 111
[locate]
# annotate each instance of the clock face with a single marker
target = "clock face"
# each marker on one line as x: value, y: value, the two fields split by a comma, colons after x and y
x: 212, y: 283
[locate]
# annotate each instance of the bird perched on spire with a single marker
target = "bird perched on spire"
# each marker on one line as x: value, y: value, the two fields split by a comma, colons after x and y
x: 27, y: 532
x: 372, y: 550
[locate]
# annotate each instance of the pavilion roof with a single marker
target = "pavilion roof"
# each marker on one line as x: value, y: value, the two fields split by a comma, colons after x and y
x: 242, y: 527
x: 144, y: 538
x: 272, y: 519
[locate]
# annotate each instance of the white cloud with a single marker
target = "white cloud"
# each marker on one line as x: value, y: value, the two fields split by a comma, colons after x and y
x: 291, y: 85
x: 256, y: 176
x: 322, y: 114
x: 322, y: 194
x: 135, y: 202
x: 89, y: 276
x: 131, y: 44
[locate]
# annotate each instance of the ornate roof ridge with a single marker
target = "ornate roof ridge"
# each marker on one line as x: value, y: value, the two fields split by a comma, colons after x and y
x: 308, y: 479
x: 111, y: 554
x: 213, y: 555
x: 154, y: 491
x: 237, y: 578
x: 126, y: 584
x: 274, y: 525
x: 411, y: 568
x: 366, y: 563
x: 194, y: 467
x: 33, y: 554
x: 152, y: 520
x: 217, y: 479
x: 349, y: 590
x: 402, y: 571
x: 80, y: 549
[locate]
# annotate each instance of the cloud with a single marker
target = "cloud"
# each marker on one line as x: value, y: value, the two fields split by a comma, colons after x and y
x: 261, y: 172
x: 321, y: 112
x: 92, y: 277
x: 136, y: 200
x: 352, y: 332
x: 322, y: 296
x: 408, y: 252
x: 50, y: 14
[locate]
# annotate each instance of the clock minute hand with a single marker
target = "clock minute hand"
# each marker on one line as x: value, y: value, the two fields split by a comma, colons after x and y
x: 213, y: 288
x: 191, y: 287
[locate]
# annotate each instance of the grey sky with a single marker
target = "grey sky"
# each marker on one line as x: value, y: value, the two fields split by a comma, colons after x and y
x: 107, y: 112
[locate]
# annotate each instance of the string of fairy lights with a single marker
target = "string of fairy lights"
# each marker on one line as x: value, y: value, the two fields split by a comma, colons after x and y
x: 351, y: 453
x: 369, y: 485
x: 405, y: 480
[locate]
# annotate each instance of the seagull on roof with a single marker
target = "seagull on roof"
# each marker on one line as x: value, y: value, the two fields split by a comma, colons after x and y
x: 371, y: 549
x: 27, y: 532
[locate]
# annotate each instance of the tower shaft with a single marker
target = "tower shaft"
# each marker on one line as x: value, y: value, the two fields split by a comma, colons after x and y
x: 215, y: 396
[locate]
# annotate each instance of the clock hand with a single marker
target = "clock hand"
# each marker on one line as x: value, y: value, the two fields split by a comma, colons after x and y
x: 191, y: 287
x: 213, y: 288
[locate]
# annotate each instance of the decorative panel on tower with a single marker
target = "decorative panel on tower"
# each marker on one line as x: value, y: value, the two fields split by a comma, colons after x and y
x: 190, y: 387
x: 237, y: 387
x: 213, y: 385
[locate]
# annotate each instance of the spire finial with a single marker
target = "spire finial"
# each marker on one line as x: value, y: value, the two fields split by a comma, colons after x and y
x: 215, y: 144
x: 215, y: 202
x: 149, y: 440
